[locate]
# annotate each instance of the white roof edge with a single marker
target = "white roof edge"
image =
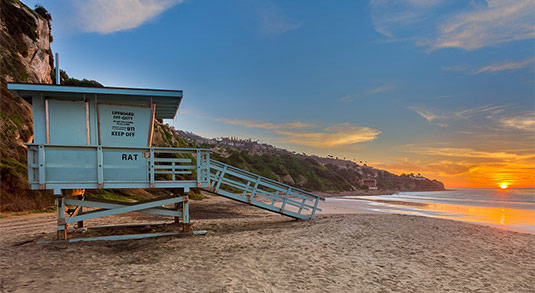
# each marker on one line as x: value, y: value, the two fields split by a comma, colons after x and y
x: 27, y: 87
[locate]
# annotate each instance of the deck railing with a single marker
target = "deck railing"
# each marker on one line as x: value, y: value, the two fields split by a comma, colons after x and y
x: 91, y: 167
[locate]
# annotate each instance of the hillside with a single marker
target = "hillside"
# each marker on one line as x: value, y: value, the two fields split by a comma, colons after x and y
x: 306, y: 171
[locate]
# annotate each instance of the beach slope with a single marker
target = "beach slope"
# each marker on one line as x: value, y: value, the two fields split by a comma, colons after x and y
x: 249, y: 250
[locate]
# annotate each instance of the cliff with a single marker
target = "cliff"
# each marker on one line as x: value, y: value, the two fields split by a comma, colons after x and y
x: 25, y: 38
x: 25, y: 57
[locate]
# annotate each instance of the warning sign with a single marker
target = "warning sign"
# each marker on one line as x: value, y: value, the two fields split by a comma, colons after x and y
x: 124, y: 125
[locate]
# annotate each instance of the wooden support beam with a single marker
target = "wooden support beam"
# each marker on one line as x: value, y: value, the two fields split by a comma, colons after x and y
x: 110, y: 205
x: 124, y: 209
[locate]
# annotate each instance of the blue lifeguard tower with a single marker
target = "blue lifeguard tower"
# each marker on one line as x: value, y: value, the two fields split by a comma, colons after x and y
x: 98, y: 138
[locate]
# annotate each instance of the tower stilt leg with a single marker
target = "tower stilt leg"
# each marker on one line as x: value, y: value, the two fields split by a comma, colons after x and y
x: 60, y: 208
x: 186, y: 225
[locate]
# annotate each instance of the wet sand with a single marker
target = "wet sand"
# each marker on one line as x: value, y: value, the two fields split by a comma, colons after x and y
x: 250, y: 250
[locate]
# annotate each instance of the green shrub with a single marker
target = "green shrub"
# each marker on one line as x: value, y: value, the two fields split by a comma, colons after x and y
x: 43, y: 12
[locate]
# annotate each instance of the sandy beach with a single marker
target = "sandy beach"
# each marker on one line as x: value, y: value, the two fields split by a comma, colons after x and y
x: 250, y: 250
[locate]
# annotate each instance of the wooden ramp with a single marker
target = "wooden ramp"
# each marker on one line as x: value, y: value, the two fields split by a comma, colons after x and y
x: 261, y: 192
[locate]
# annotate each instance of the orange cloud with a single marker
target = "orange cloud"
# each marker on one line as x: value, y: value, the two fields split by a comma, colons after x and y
x: 467, y: 153
x: 265, y: 125
x: 466, y: 174
x: 299, y: 133
x: 331, y: 137
x: 465, y: 167
x: 450, y: 169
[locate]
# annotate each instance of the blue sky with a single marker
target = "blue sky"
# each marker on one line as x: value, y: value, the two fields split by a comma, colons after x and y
x: 442, y: 88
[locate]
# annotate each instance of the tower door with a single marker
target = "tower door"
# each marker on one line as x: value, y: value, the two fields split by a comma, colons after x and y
x: 67, y: 122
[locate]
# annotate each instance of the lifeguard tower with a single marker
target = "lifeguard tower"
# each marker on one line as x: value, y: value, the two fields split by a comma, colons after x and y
x: 98, y: 138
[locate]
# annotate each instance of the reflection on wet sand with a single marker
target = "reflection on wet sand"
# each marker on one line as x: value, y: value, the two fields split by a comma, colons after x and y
x: 515, y: 219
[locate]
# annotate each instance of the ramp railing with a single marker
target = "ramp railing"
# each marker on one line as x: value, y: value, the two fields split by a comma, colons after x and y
x: 262, y: 192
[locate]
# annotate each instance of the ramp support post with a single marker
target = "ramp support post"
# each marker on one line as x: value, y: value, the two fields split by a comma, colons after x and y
x: 186, y: 225
x: 177, y: 218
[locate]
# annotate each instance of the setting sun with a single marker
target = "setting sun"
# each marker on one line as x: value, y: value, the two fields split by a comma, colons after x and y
x: 504, y: 185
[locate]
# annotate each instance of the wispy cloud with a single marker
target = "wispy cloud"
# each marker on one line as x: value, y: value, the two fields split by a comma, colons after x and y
x: 372, y: 91
x: 489, y: 110
x: 392, y: 16
x: 382, y: 88
x: 273, y: 20
x: 476, y: 25
x: 344, y: 134
x: 492, y: 113
x: 505, y: 66
x: 456, y: 68
x: 265, y: 125
x: 109, y: 16
x: 525, y: 121
x: 347, y: 98
x: 497, y: 22
x: 425, y: 113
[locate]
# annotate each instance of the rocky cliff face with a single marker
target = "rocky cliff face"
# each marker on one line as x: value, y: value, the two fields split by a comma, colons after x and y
x: 38, y: 61
x: 25, y: 44
x: 25, y: 56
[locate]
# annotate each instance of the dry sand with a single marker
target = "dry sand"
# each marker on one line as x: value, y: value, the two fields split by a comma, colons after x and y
x: 249, y: 250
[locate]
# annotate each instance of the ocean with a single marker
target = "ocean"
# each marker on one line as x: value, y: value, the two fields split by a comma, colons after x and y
x: 511, y: 209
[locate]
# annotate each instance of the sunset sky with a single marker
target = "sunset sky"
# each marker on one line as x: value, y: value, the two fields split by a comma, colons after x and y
x: 439, y: 87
